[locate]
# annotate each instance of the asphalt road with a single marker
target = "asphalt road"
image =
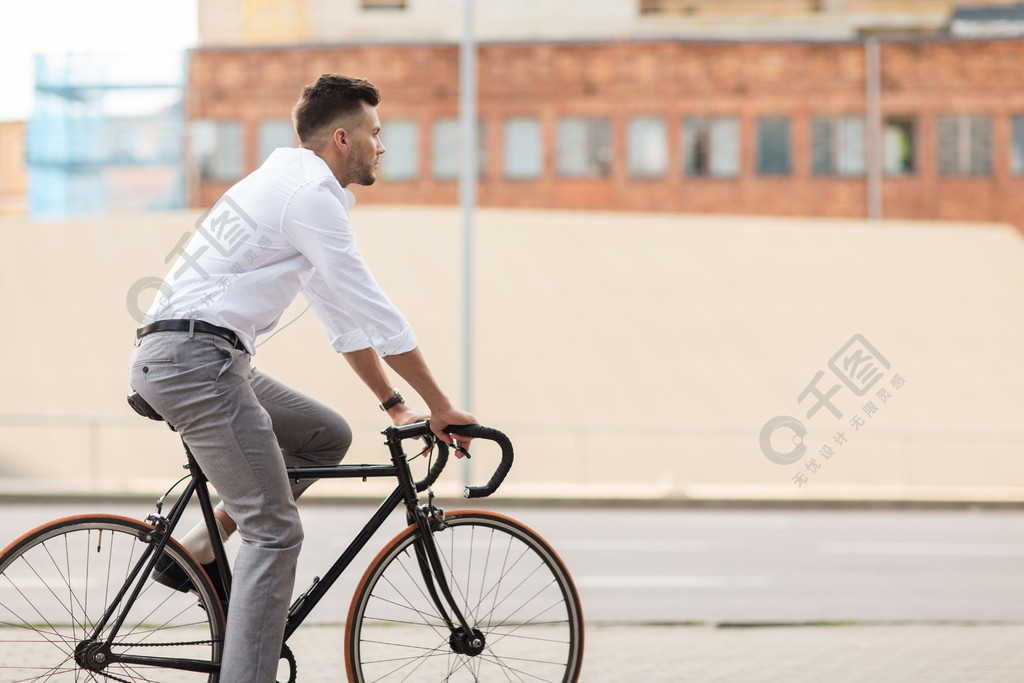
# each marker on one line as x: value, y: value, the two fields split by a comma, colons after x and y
x: 746, y: 566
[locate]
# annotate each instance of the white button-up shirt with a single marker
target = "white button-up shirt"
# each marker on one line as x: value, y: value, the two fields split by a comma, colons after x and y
x: 282, y: 230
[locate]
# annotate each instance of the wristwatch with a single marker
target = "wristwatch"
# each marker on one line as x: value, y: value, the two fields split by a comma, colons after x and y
x: 392, y: 402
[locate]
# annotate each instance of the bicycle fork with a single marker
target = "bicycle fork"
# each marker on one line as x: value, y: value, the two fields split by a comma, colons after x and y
x: 464, y: 639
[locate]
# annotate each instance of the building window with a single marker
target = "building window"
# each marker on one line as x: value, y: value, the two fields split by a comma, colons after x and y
x: 648, y: 147
x: 524, y: 149
x: 447, y: 148
x: 217, y: 149
x: 711, y: 146
x: 965, y: 145
x: 899, y: 154
x: 837, y: 145
x: 401, y: 160
x: 670, y: 6
x: 773, y: 156
x: 275, y: 133
x: 274, y: 21
x: 584, y: 148
x: 383, y: 4
x: 1017, y: 148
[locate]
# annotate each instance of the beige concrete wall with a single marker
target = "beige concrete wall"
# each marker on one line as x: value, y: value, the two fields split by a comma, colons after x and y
x: 625, y: 354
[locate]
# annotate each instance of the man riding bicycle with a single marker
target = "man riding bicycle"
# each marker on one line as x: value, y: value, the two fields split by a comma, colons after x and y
x: 281, y: 231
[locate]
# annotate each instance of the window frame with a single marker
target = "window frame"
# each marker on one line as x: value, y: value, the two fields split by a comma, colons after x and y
x: 261, y: 137
x: 414, y: 171
x: 385, y: 5
x: 786, y: 168
x: 837, y: 129
x: 964, y: 146
x: 641, y: 167
x: 1016, y: 160
x: 914, y: 138
x: 538, y: 133
x: 705, y: 127
x: 438, y: 152
x: 594, y: 167
x: 217, y: 161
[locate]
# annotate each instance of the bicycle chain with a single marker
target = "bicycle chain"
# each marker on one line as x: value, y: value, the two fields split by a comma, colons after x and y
x: 286, y: 654
x: 112, y: 677
x: 184, y: 642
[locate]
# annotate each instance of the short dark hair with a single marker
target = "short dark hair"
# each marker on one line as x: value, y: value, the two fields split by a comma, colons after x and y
x: 331, y: 97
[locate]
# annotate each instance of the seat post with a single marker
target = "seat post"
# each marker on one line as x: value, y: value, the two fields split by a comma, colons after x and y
x: 206, y: 506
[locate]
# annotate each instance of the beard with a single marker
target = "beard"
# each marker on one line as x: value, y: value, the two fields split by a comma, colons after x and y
x: 362, y: 173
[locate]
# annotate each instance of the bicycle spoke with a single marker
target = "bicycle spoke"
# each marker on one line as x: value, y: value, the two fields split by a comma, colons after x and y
x: 419, y: 660
x: 46, y: 584
x: 55, y: 585
x: 508, y: 588
x: 425, y: 616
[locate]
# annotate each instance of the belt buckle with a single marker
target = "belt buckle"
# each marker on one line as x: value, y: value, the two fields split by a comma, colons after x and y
x: 231, y: 338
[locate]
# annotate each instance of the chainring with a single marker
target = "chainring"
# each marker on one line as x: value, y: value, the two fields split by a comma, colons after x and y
x: 286, y: 654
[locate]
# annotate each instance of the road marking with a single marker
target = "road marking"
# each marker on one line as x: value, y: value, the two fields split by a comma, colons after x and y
x: 920, y: 548
x: 735, y: 522
x: 632, y: 545
x: 672, y: 581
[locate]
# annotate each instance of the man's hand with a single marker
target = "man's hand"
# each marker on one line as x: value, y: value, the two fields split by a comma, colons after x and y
x: 402, y: 414
x: 451, y: 416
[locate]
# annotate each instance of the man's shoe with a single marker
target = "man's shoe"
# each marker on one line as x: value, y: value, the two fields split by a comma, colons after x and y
x: 169, y: 574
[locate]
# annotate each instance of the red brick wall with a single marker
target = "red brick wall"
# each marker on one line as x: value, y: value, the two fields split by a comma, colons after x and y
x: 922, y: 79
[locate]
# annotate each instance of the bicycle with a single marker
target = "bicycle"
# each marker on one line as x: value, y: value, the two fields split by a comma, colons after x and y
x: 468, y: 595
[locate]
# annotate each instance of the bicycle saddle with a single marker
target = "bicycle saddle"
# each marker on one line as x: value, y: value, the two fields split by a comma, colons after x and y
x: 140, y: 406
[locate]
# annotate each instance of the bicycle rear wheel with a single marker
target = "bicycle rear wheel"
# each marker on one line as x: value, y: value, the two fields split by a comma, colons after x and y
x: 510, y: 585
x: 57, y: 581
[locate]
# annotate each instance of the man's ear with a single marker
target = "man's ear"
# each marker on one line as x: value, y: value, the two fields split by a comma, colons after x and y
x: 340, y: 138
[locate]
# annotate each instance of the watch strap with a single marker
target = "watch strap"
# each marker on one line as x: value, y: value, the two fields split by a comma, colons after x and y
x: 393, y: 401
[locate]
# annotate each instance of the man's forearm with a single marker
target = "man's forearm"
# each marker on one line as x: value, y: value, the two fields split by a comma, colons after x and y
x: 413, y: 369
x: 368, y: 367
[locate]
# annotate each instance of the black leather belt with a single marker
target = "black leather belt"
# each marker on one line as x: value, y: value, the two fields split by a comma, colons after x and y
x: 193, y: 326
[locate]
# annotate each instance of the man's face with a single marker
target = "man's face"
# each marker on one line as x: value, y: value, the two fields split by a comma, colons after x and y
x: 364, y: 148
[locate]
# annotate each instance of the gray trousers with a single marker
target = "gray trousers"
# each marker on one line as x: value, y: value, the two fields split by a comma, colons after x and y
x: 238, y: 423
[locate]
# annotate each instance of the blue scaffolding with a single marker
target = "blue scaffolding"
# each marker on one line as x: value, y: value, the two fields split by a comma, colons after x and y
x: 106, y: 134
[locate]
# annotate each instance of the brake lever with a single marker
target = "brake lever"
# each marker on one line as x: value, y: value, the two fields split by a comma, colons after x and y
x: 462, y: 450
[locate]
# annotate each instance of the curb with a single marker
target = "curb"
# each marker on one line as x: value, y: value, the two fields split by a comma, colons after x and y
x: 312, y: 499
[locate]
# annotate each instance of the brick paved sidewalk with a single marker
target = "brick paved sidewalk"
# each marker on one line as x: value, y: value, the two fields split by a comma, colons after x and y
x: 917, y: 653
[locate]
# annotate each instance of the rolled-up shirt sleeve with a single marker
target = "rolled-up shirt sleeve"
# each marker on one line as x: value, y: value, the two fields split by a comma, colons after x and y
x: 351, y: 306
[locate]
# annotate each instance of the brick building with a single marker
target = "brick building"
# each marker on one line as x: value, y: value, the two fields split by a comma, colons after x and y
x: 688, y: 124
x: 13, y: 176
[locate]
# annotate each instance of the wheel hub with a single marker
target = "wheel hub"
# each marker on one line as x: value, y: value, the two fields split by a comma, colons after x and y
x: 92, y: 655
x: 470, y: 644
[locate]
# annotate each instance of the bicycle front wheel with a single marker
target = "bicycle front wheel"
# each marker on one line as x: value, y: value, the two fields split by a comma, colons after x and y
x: 509, y: 584
x: 58, y: 580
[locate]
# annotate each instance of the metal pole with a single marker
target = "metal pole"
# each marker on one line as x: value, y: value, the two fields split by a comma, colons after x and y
x: 467, y: 199
x: 873, y: 127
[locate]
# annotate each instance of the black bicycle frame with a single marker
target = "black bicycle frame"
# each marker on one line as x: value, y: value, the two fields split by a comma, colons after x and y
x: 430, y: 564
x: 405, y: 492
